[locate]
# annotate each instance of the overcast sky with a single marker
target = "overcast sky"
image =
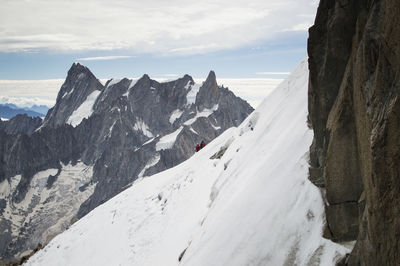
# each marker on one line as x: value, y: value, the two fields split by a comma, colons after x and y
x: 40, y: 39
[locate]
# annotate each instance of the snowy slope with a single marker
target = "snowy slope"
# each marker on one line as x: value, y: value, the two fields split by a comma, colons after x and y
x: 242, y: 200
x: 85, y: 110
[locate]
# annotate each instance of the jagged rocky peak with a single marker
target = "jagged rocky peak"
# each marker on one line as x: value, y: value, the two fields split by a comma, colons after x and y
x: 79, y: 86
x: 76, y: 74
x: 209, y: 92
x: 145, y: 77
x: 211, y: 80
x: 77, y: 68
x: 184, y: 82
x: 211, y: 83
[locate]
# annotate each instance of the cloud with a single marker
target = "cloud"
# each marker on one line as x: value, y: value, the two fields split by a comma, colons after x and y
x: 272, y: 73
x: 155, y: 26
x: 253, y: 90
x: 26, y: 93
x: 110, y: 57
x: 301, y: 27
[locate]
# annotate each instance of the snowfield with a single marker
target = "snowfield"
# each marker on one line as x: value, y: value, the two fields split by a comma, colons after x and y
x: 168, y: 141
x: 85, y: 110
x: 244, y: 199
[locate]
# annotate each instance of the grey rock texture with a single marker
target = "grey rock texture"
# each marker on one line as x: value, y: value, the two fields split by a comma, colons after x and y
x: 354, y: 61
x: 21, y: 124
x: 79, y: 83
x: 131, y: 129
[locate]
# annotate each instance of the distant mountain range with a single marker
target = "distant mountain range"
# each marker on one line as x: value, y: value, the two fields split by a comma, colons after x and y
x: 10, y: 110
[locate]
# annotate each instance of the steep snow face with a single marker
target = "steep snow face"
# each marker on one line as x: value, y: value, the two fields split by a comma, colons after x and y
x: 113, y: 82
x: 204, y: 113
x: 192, y: 94
x: 133, y: 83
x: 168, y: 141
x: 175, y: 115
x: 140, y: 125
x: 151, y: 163
x: 85, y: 110
x: 244, y: 199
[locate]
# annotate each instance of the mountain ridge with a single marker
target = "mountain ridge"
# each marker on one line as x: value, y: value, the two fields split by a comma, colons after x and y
x: 118, y: 131
x: 240, y: 182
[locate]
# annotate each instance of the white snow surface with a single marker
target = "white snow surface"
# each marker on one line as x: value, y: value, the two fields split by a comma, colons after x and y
x: 149, y: 141
x: 85, y: 110
x: 205, y: 113
x: 176, y: 114
x: 253, y: 206
x: 153, y: 161
x: 7, y: 187
x: 113, y: 81
x: 133, y: 83
x: 168, y: 141
x: 140, y: 125
x: 192, y: 94
x: 3, y: 119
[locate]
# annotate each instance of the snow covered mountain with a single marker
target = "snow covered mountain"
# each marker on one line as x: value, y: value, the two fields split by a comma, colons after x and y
x: 95, y: 142
x: 245, y: 199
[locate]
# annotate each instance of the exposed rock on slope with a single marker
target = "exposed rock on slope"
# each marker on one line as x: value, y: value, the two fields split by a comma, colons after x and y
x: 21, y: 124
x: 79, y: 84
x: 354, y: 58
x: 120, y: 131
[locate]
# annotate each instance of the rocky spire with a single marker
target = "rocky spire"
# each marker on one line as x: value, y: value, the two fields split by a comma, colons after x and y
x: 78, y: 85
x: 208, y: 95
x: 211, y: 81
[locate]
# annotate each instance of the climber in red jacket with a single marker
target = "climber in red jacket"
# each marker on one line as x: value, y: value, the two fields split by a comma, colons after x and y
x: 202, y: 145
x: 197, y: 147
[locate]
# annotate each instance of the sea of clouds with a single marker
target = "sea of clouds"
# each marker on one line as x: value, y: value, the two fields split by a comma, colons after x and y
x: 26, y: 93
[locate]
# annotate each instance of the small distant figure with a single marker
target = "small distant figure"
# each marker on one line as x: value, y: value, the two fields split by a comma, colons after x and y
x: 202, y: 144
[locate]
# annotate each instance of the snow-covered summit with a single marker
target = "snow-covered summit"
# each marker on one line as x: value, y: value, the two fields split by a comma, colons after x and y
x: 244, y: 199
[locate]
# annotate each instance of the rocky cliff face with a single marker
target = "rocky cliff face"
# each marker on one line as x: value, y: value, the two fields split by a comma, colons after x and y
x: 21, y: 124
x: 354, y: 61
x: 95, y: 142
x: 78, y: 85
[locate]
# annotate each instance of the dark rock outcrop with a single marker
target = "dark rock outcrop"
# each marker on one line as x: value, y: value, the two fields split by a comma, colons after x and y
x: 116, y: 133
x: 354, y: 86
x: 21, y: 124
x: 78, y: 85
